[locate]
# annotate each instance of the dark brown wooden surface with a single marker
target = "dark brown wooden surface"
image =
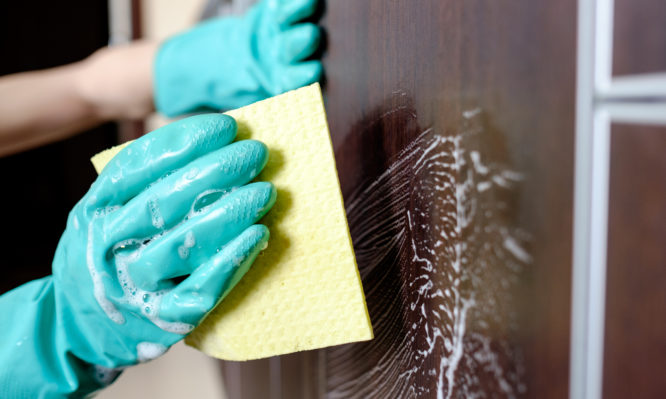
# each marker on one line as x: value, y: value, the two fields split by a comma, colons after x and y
x: 500, y: 78
x: 298, y: 375
x: 635, y: 341
x: 453, y: 126
x: 640, y: 37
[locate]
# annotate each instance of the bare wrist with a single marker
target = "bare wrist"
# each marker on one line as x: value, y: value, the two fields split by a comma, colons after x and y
x: 87, y: 87
x: 116, y: 82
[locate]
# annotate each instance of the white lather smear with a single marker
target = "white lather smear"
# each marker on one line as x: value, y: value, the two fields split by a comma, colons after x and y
x: 148, y: 302
x: 98, y: 285
x: 436, y: 218
x: 146, y: 351
x: 129, y: 251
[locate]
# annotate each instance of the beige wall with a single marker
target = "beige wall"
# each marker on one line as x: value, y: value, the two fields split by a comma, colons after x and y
x: 181, y: 373
x: 164, y: 18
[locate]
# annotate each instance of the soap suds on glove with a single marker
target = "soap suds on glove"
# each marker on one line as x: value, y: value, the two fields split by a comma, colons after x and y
x: 146, y: 351
x: 304, y: 290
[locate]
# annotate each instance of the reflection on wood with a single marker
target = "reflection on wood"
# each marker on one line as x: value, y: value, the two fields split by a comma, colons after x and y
x: 489, y: 78
x: 634, y: 344
x: 639, y: 37
x: 439, y: 260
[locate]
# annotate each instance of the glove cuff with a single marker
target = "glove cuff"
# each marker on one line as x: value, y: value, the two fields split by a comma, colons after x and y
x: 170, y: 84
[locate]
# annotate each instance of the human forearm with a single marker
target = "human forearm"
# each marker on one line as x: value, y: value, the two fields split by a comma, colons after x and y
x: 40, y: 107
x: 118, y: 81
x: 221, y: 64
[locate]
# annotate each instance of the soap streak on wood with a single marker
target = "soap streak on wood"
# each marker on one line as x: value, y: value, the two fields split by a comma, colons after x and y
x: 439, y: 260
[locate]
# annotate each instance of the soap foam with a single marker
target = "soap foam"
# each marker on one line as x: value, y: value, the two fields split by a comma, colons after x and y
x: 184, y: 250
x: 192, y: 173
x: 146, y: 351
x: 155, y: 213
x: 189, y: 239
x: 98, y: 285
x: 129, y: 251
x: 148, y: 302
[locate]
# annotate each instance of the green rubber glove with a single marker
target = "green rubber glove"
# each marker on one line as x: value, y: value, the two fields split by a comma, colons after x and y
x: 164, y: 233
x: 230, y: 62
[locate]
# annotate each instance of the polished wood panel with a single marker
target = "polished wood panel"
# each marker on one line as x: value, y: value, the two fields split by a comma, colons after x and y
x: 248, y: 379
x: 639, y: 36
x: 436, y: 81
x: 635, y: 344
x: 297, y: 375
x: 453, y: 125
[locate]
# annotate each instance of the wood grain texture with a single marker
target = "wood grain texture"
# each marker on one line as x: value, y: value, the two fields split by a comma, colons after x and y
x: 639, y: 37
x: 438, y: 110
x: 515, y: 64
x: 634, y: 346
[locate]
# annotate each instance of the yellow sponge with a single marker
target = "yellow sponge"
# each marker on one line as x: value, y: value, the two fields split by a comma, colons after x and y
x: 304, y: 291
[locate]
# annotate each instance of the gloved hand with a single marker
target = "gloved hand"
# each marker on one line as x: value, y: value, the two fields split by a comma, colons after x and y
x: 231, y: 62
x: 163, y: 234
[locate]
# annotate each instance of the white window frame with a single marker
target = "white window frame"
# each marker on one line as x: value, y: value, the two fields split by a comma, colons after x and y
x: 601, y: 100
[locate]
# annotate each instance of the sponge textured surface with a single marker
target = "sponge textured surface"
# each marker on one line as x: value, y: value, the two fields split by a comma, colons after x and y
x: 304, y: 291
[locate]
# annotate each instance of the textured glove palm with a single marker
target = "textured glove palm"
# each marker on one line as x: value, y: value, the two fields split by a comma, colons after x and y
x: 161, y: 237
x: 230, y: 62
